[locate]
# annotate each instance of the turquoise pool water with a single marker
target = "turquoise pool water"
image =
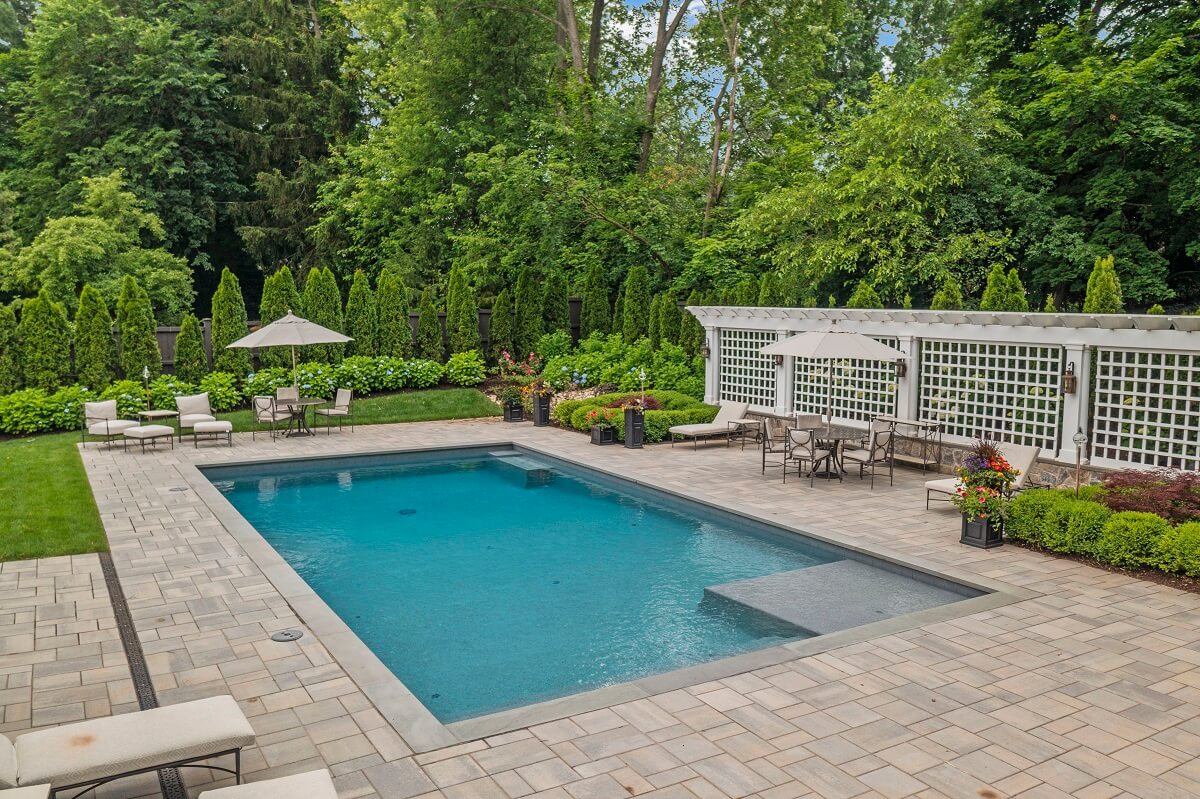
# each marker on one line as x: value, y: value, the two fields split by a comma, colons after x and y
x: 485, y: 586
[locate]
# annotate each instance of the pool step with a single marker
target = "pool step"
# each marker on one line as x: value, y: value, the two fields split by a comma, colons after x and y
x: 537, y: 473
x: 833, y: 596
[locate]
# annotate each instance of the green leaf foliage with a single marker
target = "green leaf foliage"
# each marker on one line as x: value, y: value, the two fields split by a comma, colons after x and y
x: 556, y: 310
x: 95, y: 349
x: 428, y: 344
x: 466, y: 368
x: 949, y: 296
x: 1004, y: 291
x: 137, y: 351
x: 527, y: 311
x: 864, y: 296
x: 279, y: 295
x: 501, y: 336
x: 44, y: 337
x: 362, y: 317
x: 594, y: 312
x: 653, y: 330
x: 395, y: 331
x: 462, y: 313
x: 323, y: 305
x: 229, y: 324
x: 669, y: 320
x: 191, y: 362
x: 636, y: 305
x: 10, y: 364
x: 1104, y: 288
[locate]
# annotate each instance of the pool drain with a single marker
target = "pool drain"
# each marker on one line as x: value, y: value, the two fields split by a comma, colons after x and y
x: 284, y: 636
x: 407, y: 511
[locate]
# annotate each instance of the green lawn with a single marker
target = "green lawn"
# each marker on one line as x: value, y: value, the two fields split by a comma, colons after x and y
x: 47, y: 505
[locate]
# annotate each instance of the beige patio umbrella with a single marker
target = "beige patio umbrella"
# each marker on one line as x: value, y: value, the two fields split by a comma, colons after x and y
x: 290, y: 331
x: 833, y: 345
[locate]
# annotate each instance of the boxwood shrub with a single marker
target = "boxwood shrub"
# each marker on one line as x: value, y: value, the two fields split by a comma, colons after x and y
x: 1131, y: 538
x: 675, y: 408
x: 1179, y: 549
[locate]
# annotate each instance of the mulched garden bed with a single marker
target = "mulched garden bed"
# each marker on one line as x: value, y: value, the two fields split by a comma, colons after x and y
x: 1179, y: 581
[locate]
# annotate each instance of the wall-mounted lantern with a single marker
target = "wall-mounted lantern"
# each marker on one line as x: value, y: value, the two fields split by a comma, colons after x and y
x: 778, y: 360
x: 901, y: 367
x: 1070, y: 383
x: 705, y: 350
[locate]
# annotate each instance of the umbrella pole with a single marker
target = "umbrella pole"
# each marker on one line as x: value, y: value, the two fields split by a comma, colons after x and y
x: 295, y: 380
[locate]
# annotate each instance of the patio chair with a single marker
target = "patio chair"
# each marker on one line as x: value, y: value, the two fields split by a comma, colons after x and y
x: 726, y: 413
x: 267, y: 414
x: 77, y: 758
x: 1018, y: 456
x: 802, y: 448
x: 309, y: 785
x: 100, y: 420
x: 193, y: 408
x: 877, y: 452
x: 285, y: 394
x: 340, y: 410
x: 774, y: 444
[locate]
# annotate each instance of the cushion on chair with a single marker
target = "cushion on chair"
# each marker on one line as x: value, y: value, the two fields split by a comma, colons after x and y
x: 190, y: 419
x: 27, y: 792
x: 94, y: 411
x: 113, y: 427
x: 333, y: 411
x: 8, y: 763
x: 193, y: 404
x: 218, y: 426
x: 104, y: 747
x: 309, y: 785
x: 947, y: 485
x: 707, y: 429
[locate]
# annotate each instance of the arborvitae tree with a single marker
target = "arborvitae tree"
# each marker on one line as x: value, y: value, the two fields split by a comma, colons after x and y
x: 1156, y: 310
x: 637, y: 304
x: 949, y: 297
x: 746, y: 294
x: 95, y: 350
x: 691, y: 332
x: 191, y: 362
x: 1017, y: 298
x: 278, y: 297
x: 653, y: 331
x: 527, y: 312
x: 395, y: 332
x: 229, y: 325
x: 1104, y: 288
x: 500, y: 340
x: 831, y: 302
x: 1050, y: 307
x: 556, y: 308
x: 138, y: 345
x: 995, y: 294
x: 45, y: 342
x: 618, y: 318
x: 864, y: 296
x: 362, y: 317
x: 770, y: 291
x: 668, y: 318
x: 593, y: 315
x: 462, y: 314
x: 323, y: 305
x: 429, y: 329
x: 10, y: 363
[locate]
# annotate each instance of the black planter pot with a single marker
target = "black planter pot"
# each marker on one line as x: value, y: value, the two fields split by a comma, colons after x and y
x: 982, y: 532
x: 635, y: 428
x: 541, y: 411
x: 514, y: 412
x: 603, y: 436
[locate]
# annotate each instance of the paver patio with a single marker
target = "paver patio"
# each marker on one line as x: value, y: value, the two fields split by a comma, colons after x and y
x: 1090, y: 689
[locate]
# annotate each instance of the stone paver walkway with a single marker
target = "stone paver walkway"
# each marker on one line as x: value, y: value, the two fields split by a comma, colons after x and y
x: 1090, y: 689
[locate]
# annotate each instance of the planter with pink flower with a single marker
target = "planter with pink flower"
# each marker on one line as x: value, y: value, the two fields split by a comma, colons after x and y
x: 603, y: 422
x: 985, y: 487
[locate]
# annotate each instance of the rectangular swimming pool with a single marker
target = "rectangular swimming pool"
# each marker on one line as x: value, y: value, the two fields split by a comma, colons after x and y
x: 492, y: 579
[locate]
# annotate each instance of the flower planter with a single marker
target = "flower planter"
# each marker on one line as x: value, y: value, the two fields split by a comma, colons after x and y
x: 635, y: 428
x: 982, y: 532
x: 603, y: 436
x: 541, y: 411
x: 514, y: 412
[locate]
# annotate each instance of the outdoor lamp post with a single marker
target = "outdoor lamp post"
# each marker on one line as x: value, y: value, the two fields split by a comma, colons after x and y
x: 1079, y: 439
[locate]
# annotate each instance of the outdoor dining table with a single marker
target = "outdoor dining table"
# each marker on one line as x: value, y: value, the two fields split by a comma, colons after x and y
x: 298, y: 408
x: 833, y: 436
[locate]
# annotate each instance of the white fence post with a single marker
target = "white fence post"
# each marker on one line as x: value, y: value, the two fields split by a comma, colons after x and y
x: 712, y: 368
x: 784, y: 374
x: 907, y: 403
x: 1075, y: 407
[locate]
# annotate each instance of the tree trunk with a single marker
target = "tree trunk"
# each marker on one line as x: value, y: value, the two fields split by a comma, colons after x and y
x: 570, y: 28
x: 664, y: 33
x: 594, y: 33
x: 716, y: 185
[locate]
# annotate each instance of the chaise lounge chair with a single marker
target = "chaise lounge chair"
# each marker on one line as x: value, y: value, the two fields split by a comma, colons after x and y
x: 77, y: 758
x: 309, y: 785
x: 728, y: 412
x: 1019, y: 457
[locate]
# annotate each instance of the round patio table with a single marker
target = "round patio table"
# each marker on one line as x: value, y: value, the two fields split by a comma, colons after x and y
x: 298, y: 408
x: 833, y: 436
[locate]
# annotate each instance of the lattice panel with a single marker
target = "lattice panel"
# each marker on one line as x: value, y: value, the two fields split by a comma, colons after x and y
x: 1147, y: 408
x: 747, y: 376
x: 855, y: 390
x: 1005, y: 392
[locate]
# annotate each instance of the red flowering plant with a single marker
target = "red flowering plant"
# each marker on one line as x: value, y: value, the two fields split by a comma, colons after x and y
x: 985, y: 481
x: 602, y: 418
x: 508, y: 366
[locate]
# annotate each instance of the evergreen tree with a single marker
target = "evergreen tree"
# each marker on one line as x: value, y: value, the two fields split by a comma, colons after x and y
x: 864, y: 297
x: 653, y: 331
x: 429, y: 329
x: 995, y: 294
x: 323, y: 305
x: 191, y: 362
x: 45, y: 343
x: 462, y: 314
x: 95, y: 350
x: 500, y: 339
x: 556, y: 304
x: 229, y: 324
x: 1050, y: 307
x: 746, y: 294
x: 10, y: 363
x: 527, y: 312
x: 1017, y: 299
x: 1104, y: 288
x: 949, y: 297
x: 770, y: 291
x: 137, y: 344
x: 279, y: 296
x: 669, y: 321
x: 395, y: 331
x: 594, y: 314
x: 691, y: 332
x: 636, y: 307
x: 1156, y: 310
x: 362, y: 316
x: 618, y: 318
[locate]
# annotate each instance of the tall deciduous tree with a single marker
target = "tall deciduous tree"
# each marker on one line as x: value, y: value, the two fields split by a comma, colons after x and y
x: 429, y: 329
x: 362, y: 316
x: 45, y: 342
x: 462, y: 314
x: 323, y: 305
x: 95, y: 350
x: 229, y: 323
x: 395, y: 331
x: 595, y: 310
x: 636, y: 306
x: 137, y: 343
x: 191, y: 362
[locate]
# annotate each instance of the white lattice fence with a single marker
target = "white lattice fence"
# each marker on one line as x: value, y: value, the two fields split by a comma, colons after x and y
x: 1008, y: 392
x: 855, y: 390
x: 747, y: 376
x: 1147, y: 408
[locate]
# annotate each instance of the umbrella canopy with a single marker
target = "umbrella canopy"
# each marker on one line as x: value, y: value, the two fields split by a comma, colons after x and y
x: 833, y: 345
x: 290, y: 331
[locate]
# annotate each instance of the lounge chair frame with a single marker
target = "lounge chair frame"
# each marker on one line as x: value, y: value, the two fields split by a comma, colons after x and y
x: 236, y: 771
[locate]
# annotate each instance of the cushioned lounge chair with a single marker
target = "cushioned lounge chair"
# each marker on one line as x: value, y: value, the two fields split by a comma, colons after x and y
x: 726, y: 413
x: 77, y: 758
x: 100, y: 420
x: 193, y: 408
x: 1019, y: 457
x: 309, y: 785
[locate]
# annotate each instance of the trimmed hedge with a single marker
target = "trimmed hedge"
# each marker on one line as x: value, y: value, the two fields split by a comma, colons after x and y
x: 676, y: 409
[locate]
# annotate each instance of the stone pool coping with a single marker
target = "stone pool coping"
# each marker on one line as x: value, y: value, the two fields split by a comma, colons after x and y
x: 423, y: 732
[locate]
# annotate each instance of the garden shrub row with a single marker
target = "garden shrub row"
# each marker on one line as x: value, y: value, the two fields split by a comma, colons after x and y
x: 608, y: 360
x: 36, y: 411
x: 1057, y: 520
x: 674, y: 408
